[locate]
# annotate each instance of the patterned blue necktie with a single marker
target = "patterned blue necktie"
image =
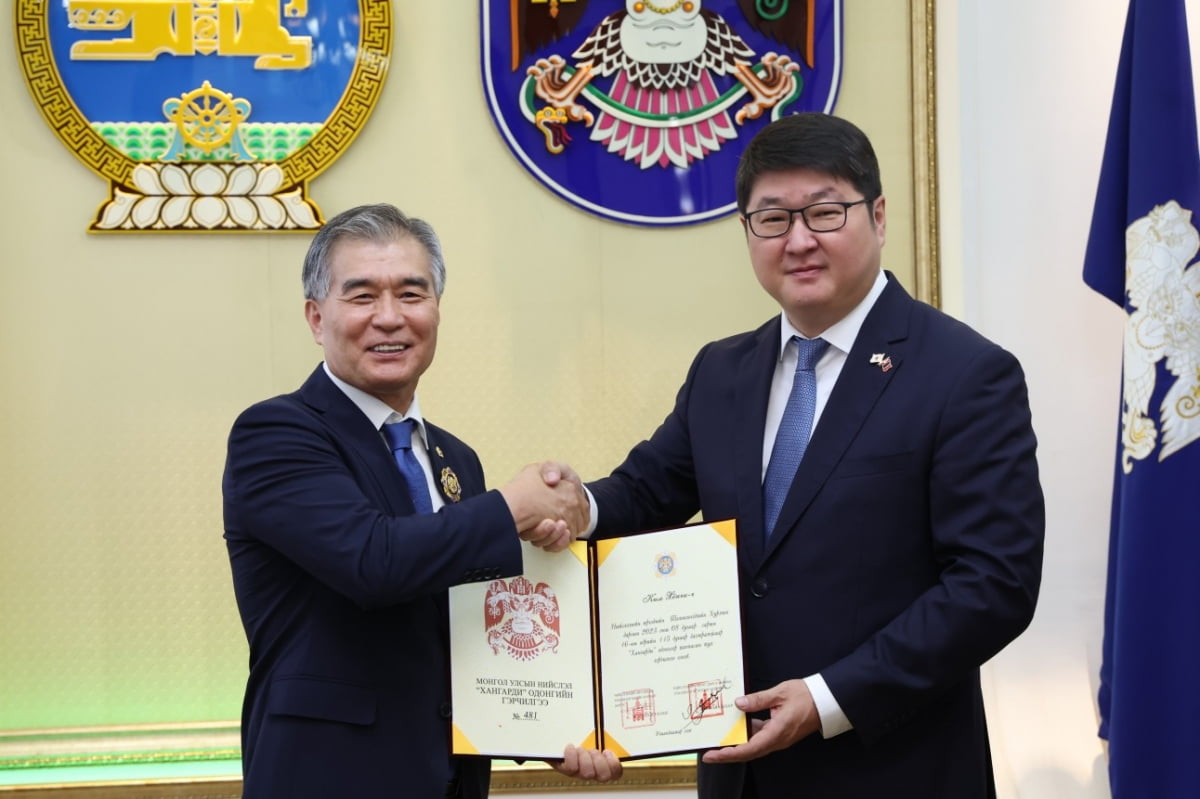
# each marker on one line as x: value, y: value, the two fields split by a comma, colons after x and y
x: 794, y: 430
x: 399, y: 436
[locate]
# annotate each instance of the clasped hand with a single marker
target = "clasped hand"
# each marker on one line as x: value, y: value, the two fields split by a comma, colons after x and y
x: 548, y: 505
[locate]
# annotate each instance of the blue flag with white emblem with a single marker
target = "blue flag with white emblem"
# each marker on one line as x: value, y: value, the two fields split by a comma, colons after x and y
x: 1141, y: 254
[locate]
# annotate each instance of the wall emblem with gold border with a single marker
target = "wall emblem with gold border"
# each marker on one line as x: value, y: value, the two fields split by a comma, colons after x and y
x: 205, y: 115
x: 638, y: 111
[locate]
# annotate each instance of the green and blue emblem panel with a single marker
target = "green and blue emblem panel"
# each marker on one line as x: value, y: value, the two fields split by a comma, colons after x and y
x: 205, y: 115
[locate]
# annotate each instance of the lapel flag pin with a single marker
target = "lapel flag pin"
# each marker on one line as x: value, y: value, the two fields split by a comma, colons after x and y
x: 883, y: 361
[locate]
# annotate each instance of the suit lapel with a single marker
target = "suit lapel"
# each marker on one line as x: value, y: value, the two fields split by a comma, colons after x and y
x: 854, y: 397
x: 753, y: 387
x: 361, y: 440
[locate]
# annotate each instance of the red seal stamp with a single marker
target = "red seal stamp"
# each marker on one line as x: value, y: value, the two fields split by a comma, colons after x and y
x: 706, y: 699
x: 637, y: 708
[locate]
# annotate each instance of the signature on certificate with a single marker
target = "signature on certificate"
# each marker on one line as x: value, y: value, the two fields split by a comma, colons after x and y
x: 705, y: 701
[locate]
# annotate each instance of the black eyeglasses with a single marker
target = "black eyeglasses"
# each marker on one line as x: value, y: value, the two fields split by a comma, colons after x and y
x: 822, y: 217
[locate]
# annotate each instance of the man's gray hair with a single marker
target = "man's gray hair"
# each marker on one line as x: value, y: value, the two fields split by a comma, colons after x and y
x: 380, y: 223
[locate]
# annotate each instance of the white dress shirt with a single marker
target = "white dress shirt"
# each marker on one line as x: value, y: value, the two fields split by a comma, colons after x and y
x: 841, y: 338
x: 380, y: 413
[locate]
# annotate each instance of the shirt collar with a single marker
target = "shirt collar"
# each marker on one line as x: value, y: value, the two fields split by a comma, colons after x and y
x: 378, y: 411
x: 842, y: 333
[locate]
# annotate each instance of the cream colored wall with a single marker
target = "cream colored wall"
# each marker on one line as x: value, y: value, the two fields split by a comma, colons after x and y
x: 126, y: 357
x: 1025, y: 90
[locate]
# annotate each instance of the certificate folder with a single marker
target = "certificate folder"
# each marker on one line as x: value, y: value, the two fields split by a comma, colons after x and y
x: 632, y: 644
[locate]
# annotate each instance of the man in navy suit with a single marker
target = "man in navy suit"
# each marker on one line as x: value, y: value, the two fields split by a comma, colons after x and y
x: 341, y: 584
x: 908, y: 544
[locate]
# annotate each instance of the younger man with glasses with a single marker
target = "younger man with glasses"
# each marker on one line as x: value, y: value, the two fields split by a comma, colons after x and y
x: 890, y: 518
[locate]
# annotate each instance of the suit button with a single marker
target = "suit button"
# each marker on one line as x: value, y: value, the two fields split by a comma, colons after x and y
x: 760, y: 588
x: 445, y: 710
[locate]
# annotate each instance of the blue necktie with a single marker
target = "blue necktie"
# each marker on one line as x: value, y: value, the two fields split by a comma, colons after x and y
x: 794, y: 430
x: 399, y: 436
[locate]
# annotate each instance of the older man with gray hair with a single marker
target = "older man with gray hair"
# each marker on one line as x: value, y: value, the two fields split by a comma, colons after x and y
x: 348, y: 515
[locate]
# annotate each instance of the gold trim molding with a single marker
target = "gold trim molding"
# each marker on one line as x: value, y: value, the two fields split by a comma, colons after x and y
x: 924, y: 137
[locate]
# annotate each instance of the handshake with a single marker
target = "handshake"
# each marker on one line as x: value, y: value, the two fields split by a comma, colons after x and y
x: 551, y: 509
x: 548, y: 505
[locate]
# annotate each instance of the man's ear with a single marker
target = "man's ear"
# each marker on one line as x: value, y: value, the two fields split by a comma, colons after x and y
x: 312, y: 312
x: 879, y: 215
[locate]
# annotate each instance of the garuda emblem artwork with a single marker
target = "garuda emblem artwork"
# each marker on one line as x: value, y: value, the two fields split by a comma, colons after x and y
x: 1163, y: 285
x: 521, y: 619
x: 638, y: 110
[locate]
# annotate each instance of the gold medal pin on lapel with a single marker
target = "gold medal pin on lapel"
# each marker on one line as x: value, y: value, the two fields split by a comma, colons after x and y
x: 450, y: 486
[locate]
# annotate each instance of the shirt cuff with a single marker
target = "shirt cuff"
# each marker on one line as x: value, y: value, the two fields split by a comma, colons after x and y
x: 593, y: 515
x: 833, y: 718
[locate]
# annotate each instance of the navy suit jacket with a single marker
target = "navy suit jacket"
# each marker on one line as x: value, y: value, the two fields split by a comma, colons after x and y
x: 342, y: 595
x: 907, y: 553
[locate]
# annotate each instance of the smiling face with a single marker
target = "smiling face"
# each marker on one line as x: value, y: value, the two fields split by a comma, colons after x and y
x: 378, y: 323
x: 817, y: 278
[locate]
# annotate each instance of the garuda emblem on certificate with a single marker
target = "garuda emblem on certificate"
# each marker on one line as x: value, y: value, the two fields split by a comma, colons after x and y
x: 638, y: 110
x: 521, y: 619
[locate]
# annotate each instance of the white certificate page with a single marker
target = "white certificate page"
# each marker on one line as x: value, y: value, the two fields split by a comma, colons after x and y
x: 670, y: 640
x: 521, y: 659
